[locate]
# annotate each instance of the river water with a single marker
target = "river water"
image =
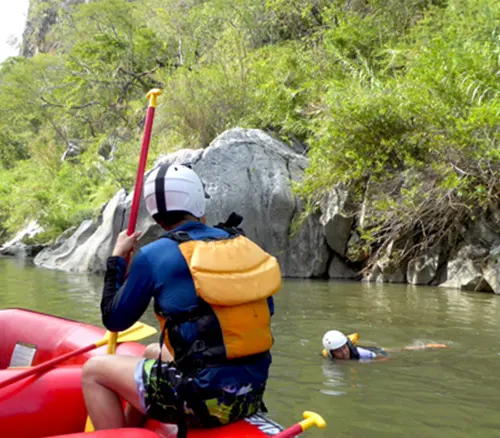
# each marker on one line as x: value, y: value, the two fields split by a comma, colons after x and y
x: 453, y: 392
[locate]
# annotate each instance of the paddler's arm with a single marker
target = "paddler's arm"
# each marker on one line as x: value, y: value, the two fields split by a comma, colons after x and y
x: 125, y: 300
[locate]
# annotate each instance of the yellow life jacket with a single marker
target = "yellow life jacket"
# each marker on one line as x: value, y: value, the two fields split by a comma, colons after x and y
x: 233, y: 278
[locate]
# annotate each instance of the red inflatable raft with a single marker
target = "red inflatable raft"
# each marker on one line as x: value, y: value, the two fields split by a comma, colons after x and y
x: 51, y: 403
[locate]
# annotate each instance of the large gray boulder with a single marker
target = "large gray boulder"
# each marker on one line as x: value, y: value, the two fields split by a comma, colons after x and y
x: 388, y: 268
x: 246, y: 171
x: 338, y: 270
x: 336, y: 224
x: 423, y: 269
x: 87, y: 249
x: 464, y: 270
x: 492, y: 270
x: 15, y: 246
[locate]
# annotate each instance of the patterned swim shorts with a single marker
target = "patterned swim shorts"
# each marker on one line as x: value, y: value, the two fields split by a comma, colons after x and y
x: 163, y: 391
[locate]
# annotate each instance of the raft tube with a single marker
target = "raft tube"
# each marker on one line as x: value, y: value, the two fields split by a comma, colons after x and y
x: 51, y: 404
x: 30, y: 338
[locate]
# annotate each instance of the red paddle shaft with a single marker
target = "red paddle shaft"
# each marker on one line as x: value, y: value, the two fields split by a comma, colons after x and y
x: 290, y: 432
x: 136, y: 200
x: 46, y: 365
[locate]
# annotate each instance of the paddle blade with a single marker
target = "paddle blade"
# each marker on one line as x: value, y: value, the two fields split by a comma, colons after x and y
x: 134, y: 333
x: 89, y: 427
x: 137, y: 332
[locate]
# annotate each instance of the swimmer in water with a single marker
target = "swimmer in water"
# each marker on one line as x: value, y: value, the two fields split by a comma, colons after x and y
x: 338, y: 346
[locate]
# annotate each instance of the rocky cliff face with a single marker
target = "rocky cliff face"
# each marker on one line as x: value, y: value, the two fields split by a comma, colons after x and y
x: 245, y: 171
x: 42, y: 15
x: 249, y: 172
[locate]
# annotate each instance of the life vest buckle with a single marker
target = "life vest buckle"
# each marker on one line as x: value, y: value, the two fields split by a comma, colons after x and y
x: 198, y: 346
x: 179, y: 236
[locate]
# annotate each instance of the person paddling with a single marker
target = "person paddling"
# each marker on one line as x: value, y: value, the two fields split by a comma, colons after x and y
x: 212, y: 289
x: 338, y: 346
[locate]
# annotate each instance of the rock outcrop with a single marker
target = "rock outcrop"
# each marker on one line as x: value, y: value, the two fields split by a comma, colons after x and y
x: 17, y: 248
x: 42, y: 16
x: 246, y: 171
x: 251, y: 173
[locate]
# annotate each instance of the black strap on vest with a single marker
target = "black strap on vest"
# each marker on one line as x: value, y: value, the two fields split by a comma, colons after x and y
x: 184, y: 359
x: 232, y: 224
x: 353, y: 350
x: 179, y: 393
x: 185, y: 391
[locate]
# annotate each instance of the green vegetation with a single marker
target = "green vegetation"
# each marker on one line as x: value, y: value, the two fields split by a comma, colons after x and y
x: 397, y: 99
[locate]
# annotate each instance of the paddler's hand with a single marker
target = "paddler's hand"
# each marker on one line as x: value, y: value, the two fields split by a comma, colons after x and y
x: 125, y: 243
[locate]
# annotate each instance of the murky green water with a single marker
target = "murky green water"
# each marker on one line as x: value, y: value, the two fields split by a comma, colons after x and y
x: 430, y: 393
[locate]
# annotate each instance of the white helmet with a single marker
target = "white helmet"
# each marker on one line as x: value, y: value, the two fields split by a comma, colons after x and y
x: 334, y: 339
x: 174, y: 188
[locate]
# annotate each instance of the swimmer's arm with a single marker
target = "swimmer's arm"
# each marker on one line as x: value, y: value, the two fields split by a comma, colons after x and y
x: 417, y: 347
x: 407, y: 348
